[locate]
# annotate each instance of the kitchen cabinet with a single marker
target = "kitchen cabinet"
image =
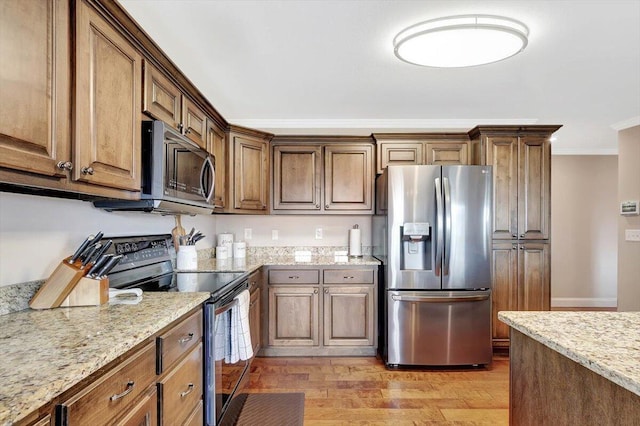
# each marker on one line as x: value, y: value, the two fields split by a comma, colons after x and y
x: 248, y: 188
x: 421, y: 148
x: 163, y: 100
x: 35, y: 79
x: 342, y: 322
x: 521, y: 282
x: 144, y: 413
x: 108, y: 76
x: 521, y: 221
x: 255, y: 310
x: 322, y: 175
x: 217, y: 146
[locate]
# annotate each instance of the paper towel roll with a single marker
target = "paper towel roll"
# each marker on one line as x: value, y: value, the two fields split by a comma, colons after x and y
x: 355, y: 243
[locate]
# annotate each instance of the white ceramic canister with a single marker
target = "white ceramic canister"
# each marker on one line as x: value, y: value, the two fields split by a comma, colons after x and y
x: 226, y: 240
x: 222, y: 252
x: 187, y: 258
x: 240, y: 250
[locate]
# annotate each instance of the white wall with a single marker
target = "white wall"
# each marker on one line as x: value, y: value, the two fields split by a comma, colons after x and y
x: 584, y: 216
x: 629, y: 251
x: 295, y: 230
x: 37, y: 232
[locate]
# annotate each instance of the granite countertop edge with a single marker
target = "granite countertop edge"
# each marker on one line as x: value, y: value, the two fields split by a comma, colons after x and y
x: 78, y: 342
x: 551, y: 330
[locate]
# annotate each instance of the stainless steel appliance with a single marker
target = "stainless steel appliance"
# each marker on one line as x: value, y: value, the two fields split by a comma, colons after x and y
x: 146, y: 264
x: 177, y: 175
x: 432, y: 234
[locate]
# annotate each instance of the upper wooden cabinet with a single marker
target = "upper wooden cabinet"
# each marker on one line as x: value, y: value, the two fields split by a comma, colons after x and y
x: 164, y: 101
x: 521, y: 160
x: 248, y: 188
x: 320, y: 175
x: 34, y: 86
x: 108, y: 86
x: 420, y: 148
x: 217, y: 146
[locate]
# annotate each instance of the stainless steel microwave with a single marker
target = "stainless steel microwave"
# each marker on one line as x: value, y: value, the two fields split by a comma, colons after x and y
x: 177, y: 175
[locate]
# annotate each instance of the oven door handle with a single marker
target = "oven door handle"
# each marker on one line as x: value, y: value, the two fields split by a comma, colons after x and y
x: 226, y: 307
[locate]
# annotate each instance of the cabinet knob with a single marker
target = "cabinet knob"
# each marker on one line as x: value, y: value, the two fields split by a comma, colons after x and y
x: 185, y: 339
x: 65, y: 165
x: 87, y: 170
x: 514, y: 247
x: 326, y: 291
x: 317, y: 206
x: 521, y: 247
x: 264, y: 206
x: 315, y: 291
x: 180, y: 127
x: 514, y: 235
x: 348, y: 278
x: 326, y: 206
x: 294, y: 277
x: 521, y: 235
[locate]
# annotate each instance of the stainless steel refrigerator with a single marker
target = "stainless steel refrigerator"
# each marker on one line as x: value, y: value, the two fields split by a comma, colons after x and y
x: 432, y: 232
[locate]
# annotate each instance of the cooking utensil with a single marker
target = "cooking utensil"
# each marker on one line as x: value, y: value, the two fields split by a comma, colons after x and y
x: 177, y: 232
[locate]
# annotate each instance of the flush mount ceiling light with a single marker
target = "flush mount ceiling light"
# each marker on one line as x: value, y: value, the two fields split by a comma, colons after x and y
x: 461, y: 41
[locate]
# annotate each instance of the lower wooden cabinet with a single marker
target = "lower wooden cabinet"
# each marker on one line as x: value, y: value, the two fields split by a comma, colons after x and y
x: 255, y: 320
x: 144, y: 412
x: 521, y: 282
x: 324, y: 311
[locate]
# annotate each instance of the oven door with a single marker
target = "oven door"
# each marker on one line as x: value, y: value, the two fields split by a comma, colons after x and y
x: 224, y: 380
x: 189, y: 171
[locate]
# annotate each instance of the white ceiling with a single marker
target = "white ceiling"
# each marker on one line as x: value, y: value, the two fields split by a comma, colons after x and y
x: 327, y: 66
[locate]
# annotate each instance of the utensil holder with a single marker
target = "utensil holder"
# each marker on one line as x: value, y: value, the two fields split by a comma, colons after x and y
x: 88, y: 292
x: 57, y: 289
x: 187, y: 258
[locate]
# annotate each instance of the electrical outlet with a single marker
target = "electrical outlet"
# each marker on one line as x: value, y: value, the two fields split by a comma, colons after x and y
x: 318, y: 233
x: 247, y: 234
x: 632, y: 234
x: 274, y: 234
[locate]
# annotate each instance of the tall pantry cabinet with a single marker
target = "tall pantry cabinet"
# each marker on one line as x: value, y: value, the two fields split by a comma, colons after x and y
x: 521, y: 160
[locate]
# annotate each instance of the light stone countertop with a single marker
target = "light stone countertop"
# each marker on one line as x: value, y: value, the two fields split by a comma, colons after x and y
x: 254, y: 262
x: 46, y: 352
x: 607, y: 343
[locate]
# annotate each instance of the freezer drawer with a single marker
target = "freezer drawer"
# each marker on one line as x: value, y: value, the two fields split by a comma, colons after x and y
x: 438, y: 328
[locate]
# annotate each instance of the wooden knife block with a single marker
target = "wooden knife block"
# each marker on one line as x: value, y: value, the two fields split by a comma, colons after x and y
x: 67, y: 286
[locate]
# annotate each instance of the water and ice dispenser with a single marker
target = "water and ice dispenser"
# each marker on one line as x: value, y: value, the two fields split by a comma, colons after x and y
x: 415, y: 238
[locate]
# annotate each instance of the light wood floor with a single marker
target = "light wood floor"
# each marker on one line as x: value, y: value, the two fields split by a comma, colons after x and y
x: 345, y: 391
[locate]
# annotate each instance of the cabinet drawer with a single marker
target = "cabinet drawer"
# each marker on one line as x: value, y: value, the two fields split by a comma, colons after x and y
x: 181, y: 390
x: 178, y: 341
x: 294, y: 276
x: 111, y: 394
x: 348, y: 276
x: 196, y: 416
x: 144, y: 412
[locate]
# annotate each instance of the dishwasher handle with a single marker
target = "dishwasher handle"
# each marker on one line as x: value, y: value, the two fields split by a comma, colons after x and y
x: 439, y: 299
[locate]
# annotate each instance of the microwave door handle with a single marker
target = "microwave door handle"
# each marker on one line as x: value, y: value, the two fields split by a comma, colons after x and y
x: 203, y: 185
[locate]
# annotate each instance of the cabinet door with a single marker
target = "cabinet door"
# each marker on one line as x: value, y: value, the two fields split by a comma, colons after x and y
x: 217, y: 146
x: 34, y: 86
x: 447, y: 153
x: 180, y: 390
x: 251, y: 173
x: 398, y: 154
x: 293, y: 316
x: 162, y: 99
x: 254, y: 320
x: 502, y: 154
x: 195, y: 123
x: 534, y: 188
x: 296, y: 177
x: 144, y: 412
x: 348, y: 178
x: 534, y: 282
x: 107, y: 107
x: 504, y: 287
x: 348, y: 315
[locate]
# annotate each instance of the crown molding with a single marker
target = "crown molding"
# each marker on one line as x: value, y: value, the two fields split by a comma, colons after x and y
x: 625, y: 124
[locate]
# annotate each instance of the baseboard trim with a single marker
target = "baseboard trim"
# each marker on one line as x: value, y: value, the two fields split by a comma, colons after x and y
x: 585, y: 302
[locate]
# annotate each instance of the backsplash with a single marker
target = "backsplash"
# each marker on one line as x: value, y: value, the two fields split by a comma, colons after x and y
x: 16, y: 297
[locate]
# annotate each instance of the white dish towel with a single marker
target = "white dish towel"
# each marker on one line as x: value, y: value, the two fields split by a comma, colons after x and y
x: 241, y: 348
x: 221, y: 339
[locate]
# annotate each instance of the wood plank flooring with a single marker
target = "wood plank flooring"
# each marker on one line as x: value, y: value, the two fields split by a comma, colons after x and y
x: 347, y: 391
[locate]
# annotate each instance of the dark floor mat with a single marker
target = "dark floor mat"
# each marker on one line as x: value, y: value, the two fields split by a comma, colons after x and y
x: 277, y: 409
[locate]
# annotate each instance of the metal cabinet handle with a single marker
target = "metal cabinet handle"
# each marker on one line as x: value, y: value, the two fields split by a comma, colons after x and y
x: 184, y: 340
x: 187, y: 131
x: 127, y: 391
x: 65, y: 165
x: 295, y: 277
x: 514, y: 247
x: 180, y: 127
x: 188, y: 391
x: 521, y: 247
x: 348, y: 278
x: 87, y: 170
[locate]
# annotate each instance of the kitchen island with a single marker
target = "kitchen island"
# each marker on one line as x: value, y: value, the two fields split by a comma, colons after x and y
x: 47, y: 352
x: 570, y: 368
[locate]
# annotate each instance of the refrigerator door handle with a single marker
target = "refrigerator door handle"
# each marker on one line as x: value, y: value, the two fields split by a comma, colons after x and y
x: 447, y: 225
x: 439, y: 225
x: 440, y: 299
